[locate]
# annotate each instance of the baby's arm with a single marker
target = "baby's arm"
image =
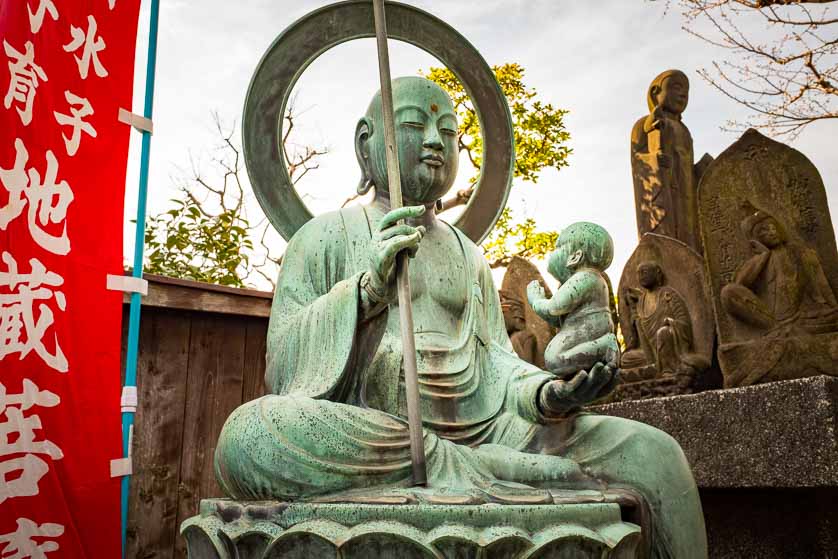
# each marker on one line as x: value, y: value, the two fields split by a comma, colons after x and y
x: 569, y: 296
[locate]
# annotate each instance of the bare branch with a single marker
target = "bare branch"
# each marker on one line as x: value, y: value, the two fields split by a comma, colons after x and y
x: 789, y: 81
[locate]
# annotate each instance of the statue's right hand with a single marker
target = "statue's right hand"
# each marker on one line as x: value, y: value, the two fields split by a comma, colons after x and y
x: 390, y: 240
x: 758, y: 247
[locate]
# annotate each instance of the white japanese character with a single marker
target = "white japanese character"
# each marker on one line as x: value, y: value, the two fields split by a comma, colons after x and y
x: 17, y: 436
x: 111, y: 4
x: 20, y: 330
x: 28, y: 470
x: 48, y: 200
x: 24, y: 76
x: 31, y: 467
x: 21, y: 543
x: 37, y: 19
x: 90, y: 45
x: 31, y: 396
x: 76, y: 120
x: 24, y: 443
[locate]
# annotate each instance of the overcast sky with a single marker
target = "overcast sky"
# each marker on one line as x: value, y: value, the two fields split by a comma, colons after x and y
x: 595, y: 59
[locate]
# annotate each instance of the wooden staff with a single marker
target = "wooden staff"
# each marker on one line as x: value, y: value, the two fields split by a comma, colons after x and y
x: 414, y: 412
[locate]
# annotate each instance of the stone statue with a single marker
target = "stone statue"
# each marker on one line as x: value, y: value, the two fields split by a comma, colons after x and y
x: 581, y: 308
x: 528, y: 332
x: 773, y: 264
x: 665, y: 319
x: 782, y: 286
x: 497, y: 429
x: 665, y: 179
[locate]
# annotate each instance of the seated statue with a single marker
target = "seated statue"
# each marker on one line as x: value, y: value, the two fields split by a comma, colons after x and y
x: 660, y: 335
x: 494, y: 425
x: 782, y: 287
x: 581, y: 307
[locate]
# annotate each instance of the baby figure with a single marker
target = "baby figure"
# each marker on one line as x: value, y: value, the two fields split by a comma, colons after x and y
x: 580, y: 307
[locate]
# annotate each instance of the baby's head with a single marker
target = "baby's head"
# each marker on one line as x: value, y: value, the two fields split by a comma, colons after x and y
x: 580, y: 244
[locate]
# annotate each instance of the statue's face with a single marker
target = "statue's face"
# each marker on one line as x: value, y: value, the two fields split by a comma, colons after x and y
x: 648, y: 274
x: 674, y: 94
x: 557, y: 262
x: 426, y: 135
x: 768, y: 232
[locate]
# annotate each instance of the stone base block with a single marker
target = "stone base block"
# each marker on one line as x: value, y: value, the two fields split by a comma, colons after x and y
x: 765, y: 459
x: 227, y: 529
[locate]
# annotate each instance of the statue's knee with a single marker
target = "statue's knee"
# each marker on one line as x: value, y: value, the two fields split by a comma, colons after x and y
x: 661, y: 445
x: 730, y: 296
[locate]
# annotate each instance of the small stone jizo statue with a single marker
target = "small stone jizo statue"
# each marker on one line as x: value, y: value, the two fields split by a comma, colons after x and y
x: 581, y: 306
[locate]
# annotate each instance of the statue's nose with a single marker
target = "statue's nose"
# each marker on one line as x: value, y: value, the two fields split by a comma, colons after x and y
x: 432, y: 139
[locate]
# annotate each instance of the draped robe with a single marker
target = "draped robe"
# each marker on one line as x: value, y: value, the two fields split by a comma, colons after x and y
x: 335, y: 419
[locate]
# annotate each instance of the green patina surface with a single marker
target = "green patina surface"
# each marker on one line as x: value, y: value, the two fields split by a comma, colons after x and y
x: 497, y: 429
x: 226, y: 529
x: 581, y: 308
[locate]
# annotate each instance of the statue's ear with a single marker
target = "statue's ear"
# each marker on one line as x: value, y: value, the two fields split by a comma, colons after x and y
x: 575, y: 259
x: 363, y: 131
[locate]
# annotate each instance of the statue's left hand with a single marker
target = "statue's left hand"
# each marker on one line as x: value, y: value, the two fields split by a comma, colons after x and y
x: 561, y: 397
x: 535, y: 292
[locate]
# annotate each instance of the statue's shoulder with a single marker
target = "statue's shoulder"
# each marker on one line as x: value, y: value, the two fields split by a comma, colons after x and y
x: 321, y: 231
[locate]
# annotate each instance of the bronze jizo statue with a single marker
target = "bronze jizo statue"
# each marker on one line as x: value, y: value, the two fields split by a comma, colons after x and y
x: 665, y: 319
x: 665, y: 178
x: 581, y: 307
x: 496, y: 428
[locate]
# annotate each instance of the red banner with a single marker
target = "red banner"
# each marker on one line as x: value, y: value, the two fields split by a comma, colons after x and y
x: 66, y: 68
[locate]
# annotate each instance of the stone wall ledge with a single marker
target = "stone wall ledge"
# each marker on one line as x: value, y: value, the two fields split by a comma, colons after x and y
x: 774, y: 435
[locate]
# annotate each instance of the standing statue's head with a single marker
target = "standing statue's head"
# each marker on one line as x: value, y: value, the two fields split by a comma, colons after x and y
x: 426, y: 137
x: 670, y: 91
x: 580, y: 244
x: 761, y: 226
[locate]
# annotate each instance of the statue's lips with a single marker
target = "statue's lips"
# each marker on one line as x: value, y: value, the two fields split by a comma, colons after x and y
x: 433, y: 160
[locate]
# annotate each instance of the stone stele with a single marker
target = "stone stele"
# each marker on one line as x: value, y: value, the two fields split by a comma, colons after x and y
x: 528, y: 332
x: 665, y: 177
x: 665, y: 318
x: 771, y: 263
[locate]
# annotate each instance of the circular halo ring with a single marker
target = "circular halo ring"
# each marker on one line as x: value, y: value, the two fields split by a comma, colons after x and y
x: 322, y: 29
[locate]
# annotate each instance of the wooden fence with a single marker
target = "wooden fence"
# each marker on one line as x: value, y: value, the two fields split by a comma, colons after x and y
x: 202, y: 354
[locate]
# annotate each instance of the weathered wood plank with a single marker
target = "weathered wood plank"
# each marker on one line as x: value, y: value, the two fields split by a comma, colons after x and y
x: 213, y: 391
x: 253, y: 381
x: 158, y: 431
x: 197, y: 296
